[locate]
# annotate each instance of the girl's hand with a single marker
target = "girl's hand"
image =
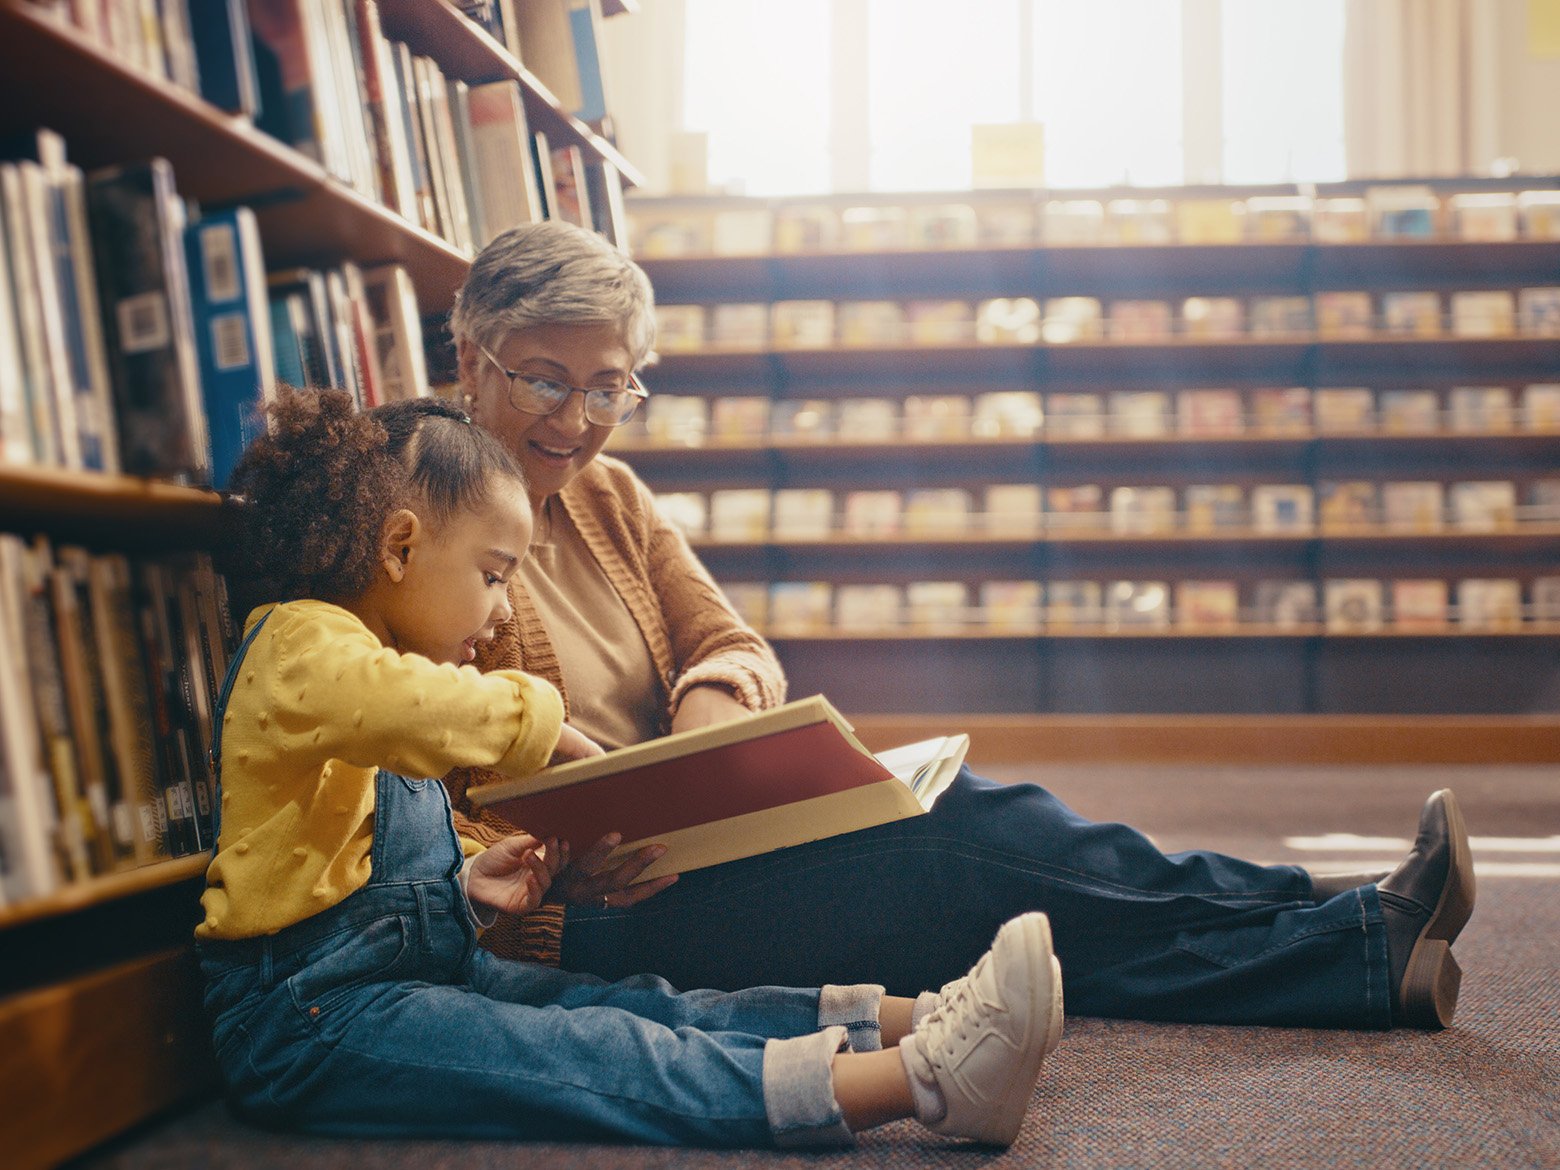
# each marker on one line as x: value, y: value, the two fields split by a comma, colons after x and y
x: 514, y: 875
x: 702, y: 705
x: 588, y: 881
x: 572, y: 745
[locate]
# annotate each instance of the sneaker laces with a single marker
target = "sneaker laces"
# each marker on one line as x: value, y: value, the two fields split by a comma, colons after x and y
x: 950, y: 1013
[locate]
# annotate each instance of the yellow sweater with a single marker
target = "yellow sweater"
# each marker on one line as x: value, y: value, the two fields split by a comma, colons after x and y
x: 318, y: 707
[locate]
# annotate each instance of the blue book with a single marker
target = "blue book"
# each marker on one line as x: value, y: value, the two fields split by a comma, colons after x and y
x: 582, y: 23
x: 232, y: 331
x: 286, y: 345
x: 225, y: 55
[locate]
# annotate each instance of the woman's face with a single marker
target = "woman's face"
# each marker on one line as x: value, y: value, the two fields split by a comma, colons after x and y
x: 553, y: 448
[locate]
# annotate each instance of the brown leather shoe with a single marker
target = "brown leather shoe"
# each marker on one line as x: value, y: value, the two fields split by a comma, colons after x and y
x: 1426, y: 902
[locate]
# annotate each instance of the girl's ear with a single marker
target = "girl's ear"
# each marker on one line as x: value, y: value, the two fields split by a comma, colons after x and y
x: 402, y: 533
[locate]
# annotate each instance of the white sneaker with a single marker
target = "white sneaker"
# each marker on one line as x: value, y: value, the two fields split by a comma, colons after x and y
x: 983, y: 1043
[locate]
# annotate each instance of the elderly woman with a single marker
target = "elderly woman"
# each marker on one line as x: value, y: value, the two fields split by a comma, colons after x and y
x: 614, y: 608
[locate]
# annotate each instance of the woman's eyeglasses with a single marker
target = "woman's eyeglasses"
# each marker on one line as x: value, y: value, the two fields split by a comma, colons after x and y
x: 610, y: 407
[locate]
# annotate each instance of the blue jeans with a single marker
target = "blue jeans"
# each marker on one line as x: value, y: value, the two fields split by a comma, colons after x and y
x: 1195, y: 936
x: 380, y: 1016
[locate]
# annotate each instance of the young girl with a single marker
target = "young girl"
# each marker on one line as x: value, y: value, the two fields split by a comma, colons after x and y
x: 341, y: 911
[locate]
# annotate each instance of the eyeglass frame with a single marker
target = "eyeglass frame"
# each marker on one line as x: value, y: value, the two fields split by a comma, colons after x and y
x: 634, y: 387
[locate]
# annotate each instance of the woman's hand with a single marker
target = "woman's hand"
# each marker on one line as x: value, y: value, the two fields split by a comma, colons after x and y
x: 706, y: 704
x: 514, y: 875
x: 572, y: 745
x: 589, y: 881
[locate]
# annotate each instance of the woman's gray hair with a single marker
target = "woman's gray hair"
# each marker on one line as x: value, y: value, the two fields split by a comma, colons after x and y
x: 554, y: 273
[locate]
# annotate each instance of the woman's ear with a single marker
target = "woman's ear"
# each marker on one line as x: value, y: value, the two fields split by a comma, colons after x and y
x: 467, y: 355
x: 402, y: 533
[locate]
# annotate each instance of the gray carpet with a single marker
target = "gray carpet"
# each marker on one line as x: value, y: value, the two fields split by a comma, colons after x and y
x: 1125, y: 1094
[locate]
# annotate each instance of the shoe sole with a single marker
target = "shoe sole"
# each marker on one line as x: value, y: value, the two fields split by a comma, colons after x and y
x: 1433, y: 979
x: 1045, y: 1003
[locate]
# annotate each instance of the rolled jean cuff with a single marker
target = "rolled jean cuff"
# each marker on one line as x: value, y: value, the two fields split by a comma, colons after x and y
x: 924, y: 1003
x: 799, y: 1090
x: 855, y: 1006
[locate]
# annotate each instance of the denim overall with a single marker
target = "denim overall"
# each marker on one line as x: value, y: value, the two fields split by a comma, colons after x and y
x: 380, y: 1016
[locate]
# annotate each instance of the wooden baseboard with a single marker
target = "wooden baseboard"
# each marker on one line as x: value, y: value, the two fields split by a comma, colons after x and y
x: 1233, y: 739
x: 84, y: 1060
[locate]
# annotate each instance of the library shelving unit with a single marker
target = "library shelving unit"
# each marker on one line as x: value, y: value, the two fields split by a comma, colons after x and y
x: 100, y: 1018
x: 1243, y: 668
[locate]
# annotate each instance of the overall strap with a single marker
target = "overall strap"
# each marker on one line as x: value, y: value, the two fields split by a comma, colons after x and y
x: 216, y: 728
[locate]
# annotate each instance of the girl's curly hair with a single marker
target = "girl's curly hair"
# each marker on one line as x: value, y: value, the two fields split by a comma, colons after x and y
x: 319, y: 485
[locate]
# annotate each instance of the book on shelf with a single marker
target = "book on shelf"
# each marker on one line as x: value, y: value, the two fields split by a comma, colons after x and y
x: 506, y: 182
x: 1139, y: 221
x: 1543, y: 502
x: 291, y: 71
x: 1484, y: 313
x: 751, y: 601
x: 1481, y: 409
x: 1215, y: 507
x: 1210, y: 221
x: 609, y: 208
x: 1132, y: 604
x: 1546, y: 599
x: 739, y: 326
x: 1483, y: 505
x: 1347, y: 505
x: 546, y: 181
x: 1207, y: 605
x: 1209, y: 413
x: 793, y: 774
x: 419, y: 162
x: 585, y: 36
x: 1075, y: 414
x: 935, y: 417
x: 742, y: 231
x: 1410, y: 412
x: 385, y: 108
x: 232, y: 318
x: 943, y: 225
x: 740, y: 418
x: 1538, y: 214
x: 802, y: 324
x: 1010, y: 224
x: 679, y: 328
x: 1072, y: 319
x: 1139, y: 414
x: 1007, y: 414
x: 1213, y: 318
x: 800, y: 608
x: 1413, y: 505
x: 1403, y: 212
x: 1142, y: 511
x: 677, y: 420
x: 1483, y: 216
x: 1344, y: 409
x: 1278, y: 218
x: 1074, y: 507
x: 740, y: 514
x: 686, y: 511
x: 1280, y: 316
x: 138, y: 223
x: 803, y: 513
x: 391, y: 301
x: 867, y: 420
x: 874, y: 228
x: 1013, y: 510
x: 1411, y: 314
x: 1278, y: 508
x: 1281, y: 410
x: 1342, y: 315
x: 546, y: 34
x: 1339, y: 219
x: 1286, y: 605
x: 1012, y: 606
x: 939, y: 322
x: 803, y: 419
x: 19, y: 444
x: 1489, y: 603
x: 868, y: 608
x: 1073, y: 605
x: 1008, y: 321
x: 1353, y: 605
x: 1538, y: 311
x: 872, y: 512
x: 569, y: 188
x: 934, y: 512
x: 937, y: 607
x: 1072, y: 221
x: 1140, y: 320
x: 1541, y: 406
x: 870, y: 323
x: 1419, y: 603
x: 807, y: 228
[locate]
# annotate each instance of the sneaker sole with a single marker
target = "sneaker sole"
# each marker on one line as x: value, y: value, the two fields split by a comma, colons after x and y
x: 1045, y: 1004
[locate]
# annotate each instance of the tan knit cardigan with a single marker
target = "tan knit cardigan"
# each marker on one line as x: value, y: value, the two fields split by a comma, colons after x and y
x: 693, y: 634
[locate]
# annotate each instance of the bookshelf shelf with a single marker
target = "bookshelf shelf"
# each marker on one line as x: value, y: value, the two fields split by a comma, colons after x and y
x: 134, y: 512
x: 78, y: 896
x: 1549, y: 630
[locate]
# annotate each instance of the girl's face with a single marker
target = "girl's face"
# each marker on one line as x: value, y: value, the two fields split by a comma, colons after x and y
x: 451, y: 588
x: 553, y: 448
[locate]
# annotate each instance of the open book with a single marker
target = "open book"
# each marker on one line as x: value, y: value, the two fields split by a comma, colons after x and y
x: 791, y: 774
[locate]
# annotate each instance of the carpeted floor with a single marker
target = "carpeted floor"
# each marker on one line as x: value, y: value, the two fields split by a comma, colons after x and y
x: 1485, y: 1094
